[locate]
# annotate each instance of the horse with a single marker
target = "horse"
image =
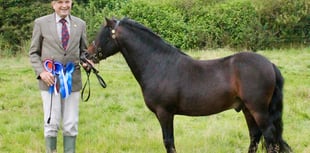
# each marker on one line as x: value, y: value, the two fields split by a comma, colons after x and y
x: 173, y: 83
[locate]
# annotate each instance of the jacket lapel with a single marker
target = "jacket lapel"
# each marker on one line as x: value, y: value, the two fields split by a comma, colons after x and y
x: 73, y: 32
x: 53, y: 29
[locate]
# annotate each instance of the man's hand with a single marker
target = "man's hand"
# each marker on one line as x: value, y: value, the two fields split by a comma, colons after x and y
x: 48, y: 78
x: 88, y: 64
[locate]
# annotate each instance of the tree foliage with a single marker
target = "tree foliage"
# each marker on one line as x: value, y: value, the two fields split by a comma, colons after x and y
x: 16, y: 21
x: 251, y: 24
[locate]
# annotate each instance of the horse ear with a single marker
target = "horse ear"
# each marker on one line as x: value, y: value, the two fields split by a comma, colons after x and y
x: 110, y: 23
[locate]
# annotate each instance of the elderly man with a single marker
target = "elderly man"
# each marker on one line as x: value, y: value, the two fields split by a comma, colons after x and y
x: 58, y: 41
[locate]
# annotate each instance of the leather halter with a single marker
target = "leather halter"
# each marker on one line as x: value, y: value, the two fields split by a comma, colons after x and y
x: 98, y: 54
x: 114, y: 30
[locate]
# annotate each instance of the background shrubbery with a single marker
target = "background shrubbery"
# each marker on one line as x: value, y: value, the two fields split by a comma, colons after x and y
x: 16, y: 22
x: 196, y: 24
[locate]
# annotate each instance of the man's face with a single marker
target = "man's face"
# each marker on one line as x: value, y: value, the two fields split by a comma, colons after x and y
x: 62, y: 7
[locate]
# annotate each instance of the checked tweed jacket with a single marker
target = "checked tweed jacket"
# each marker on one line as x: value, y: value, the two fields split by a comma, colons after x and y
x: 47, y: 45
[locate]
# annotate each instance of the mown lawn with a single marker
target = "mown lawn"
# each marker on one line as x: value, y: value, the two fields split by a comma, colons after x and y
x: 115, y: 120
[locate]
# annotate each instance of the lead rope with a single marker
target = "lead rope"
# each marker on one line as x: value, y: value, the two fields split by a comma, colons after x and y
x: 88, y: 72
x: 86, y: 83
x: 49, y: 117
x: 51, y: 104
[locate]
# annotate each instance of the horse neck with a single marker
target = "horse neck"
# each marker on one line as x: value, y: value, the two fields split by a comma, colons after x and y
x: 148, y: 57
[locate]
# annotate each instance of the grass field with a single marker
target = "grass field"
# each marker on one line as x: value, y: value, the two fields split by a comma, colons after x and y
x: 115, y: 120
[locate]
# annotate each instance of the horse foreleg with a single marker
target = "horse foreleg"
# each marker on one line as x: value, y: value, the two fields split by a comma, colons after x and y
x: 254, y: 131
x: 166, y: 122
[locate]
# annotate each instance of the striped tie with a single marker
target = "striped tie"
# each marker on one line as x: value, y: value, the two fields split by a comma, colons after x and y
x: 64, y: 34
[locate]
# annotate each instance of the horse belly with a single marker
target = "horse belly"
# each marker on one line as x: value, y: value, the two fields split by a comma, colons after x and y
x: 208, y: 105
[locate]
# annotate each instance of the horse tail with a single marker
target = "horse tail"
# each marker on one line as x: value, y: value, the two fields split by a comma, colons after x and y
x: 276, y: 110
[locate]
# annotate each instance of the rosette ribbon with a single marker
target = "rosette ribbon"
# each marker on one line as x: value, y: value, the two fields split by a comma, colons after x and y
x: 64, y: 75
x: 54, y: 68
x: 66, y: 88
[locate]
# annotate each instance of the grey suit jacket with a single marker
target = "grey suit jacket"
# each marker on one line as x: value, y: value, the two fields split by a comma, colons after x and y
x: 45, y: 44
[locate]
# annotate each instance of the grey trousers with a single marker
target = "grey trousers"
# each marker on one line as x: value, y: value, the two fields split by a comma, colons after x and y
x: 64, y: 114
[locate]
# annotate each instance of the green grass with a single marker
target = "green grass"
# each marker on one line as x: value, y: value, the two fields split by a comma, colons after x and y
x: 115, y: 120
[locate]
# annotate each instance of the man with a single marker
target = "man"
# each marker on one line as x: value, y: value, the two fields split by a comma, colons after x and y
x: 58, y: 40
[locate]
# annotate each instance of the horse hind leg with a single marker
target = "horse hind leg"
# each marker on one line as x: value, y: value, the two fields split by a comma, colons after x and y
x: 271, y: 127
x: 266, y: 121
x: 276, y: 126
x: 268, y: 116
x: 254, y: 131
x: 273, y: 133
x: 259, y: 124
x: 269, y: 131
x: 275, y: 113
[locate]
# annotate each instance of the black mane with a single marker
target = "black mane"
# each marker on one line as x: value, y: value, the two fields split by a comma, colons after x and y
x: 134, y: 24
x: 137, y: 25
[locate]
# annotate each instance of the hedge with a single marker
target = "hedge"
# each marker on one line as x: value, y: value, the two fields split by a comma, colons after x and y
x: 250, y: 24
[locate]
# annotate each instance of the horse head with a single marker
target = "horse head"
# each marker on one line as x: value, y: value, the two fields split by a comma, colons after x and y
x: 106, y: 43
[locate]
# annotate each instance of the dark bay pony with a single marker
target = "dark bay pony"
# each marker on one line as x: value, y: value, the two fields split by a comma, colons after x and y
x: 173, y: 83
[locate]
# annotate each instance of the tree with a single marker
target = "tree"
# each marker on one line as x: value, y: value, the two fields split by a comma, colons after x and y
x: 16, y: 20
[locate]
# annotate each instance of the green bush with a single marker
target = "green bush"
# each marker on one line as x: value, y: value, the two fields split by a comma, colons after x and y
x: 166, y: 21
x: 284, y: 21
x: 95, y: 11
x: 17, y: 18
x: 233, y: 24
x: 197, y: 24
